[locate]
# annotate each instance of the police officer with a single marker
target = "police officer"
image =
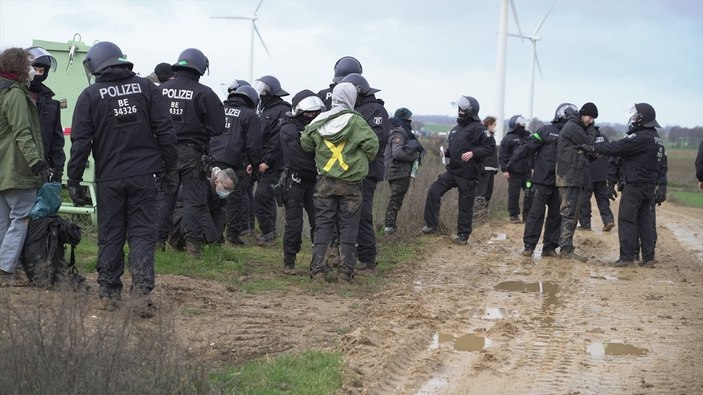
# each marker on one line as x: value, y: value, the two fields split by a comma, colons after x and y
x: 124, y: 121
x: 517, y: 173
x: 49, y: 111
x: 342, y: 68
x: 272, y: 112
x: 598, y: 187
x: 489, y: 167
x: 542, y: 146
x: 299, y: 176
x: 401, y: 153
x: 238, y: 148
x: 572, y: 173
x: 376, y: 116
x: 197, y: 115
x: 642, y: 154
x: 468, y: 143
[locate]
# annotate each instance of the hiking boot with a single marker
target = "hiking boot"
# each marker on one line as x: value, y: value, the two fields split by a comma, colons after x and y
x: 572, y: 255
x: 549, y: 253
x: 461, y: 239
x: 366, y: 269
x: 428, y: 230
x: 194, y: 249
x: 389, y: 230
x: 608, y: 227
x: 237, y: 241
x: 142, y: 306
x: 266, y: 240
x: 649, y: 263
x: 515, y: 220
x: 343, y: 277
x: 527, y: 252
x: 7, y: 279
x: 585, y: 227
x: 289, y: 265
x: 320, y: 277
x: 160, y: 246
x: 623, y: 263
x: 109, y: 304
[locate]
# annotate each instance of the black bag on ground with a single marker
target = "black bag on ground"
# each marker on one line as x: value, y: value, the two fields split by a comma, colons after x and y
x: 44, y: 253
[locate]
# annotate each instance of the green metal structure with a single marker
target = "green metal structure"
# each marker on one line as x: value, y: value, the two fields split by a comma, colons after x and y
x: 67, y: 82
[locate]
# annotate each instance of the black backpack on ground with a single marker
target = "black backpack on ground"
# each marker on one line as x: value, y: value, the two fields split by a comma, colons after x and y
x: 44, y: 252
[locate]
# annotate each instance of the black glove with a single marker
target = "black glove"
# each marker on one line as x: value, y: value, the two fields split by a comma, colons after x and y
x: 56, y: 176
x: 206, y: 163
x: 170, y: 181
x: 585, y: 148
x: 659, y: 194
x: 42, y: 170
x: 612, y: 194
x: 76, y: 192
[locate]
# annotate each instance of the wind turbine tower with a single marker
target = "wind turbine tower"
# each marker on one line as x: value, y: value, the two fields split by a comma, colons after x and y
x: 254, y: 30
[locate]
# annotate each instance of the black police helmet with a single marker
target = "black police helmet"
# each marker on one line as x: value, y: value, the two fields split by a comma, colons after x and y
x: 345, y: 66
x: 42, y: 58
x: 249, y: 93
x: 469, y: 106
x: 236, y: 84
x: 560, y: 112
x: 194, y: 59
x: 362, y: 86
x: 268, y: 85
x: 516, y: 120
x: 103, y: 55
x: 646, y: 116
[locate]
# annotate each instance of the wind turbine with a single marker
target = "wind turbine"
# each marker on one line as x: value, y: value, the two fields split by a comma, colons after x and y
x: 535, y: 60
x: 254, y: 30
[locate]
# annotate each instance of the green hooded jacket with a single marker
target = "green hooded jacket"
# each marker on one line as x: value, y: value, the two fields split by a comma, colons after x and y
x: 20, y: 137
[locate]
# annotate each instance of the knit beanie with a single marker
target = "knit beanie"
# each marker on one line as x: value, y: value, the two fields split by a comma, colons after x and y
x: 163, y: 72
x: 589, y: 109
x: 403, y: 113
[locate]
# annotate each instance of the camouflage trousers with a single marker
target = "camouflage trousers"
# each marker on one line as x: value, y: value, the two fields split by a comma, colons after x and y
x: 399, y: 187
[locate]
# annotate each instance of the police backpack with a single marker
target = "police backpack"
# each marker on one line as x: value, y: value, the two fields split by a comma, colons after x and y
x: 44, y: 253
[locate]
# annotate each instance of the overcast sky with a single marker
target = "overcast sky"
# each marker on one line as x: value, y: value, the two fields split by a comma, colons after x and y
x: 421, y: 54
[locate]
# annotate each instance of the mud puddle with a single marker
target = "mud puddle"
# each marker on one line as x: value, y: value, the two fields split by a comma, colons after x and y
x: 599, y: 350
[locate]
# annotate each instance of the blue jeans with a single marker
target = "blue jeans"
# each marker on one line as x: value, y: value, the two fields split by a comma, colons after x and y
x: 14, y: 211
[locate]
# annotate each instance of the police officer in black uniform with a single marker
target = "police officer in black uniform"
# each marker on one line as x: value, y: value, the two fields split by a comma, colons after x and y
x: 344, y: 66
x: 300, y: 175
x: 197, y: 115
x: 599, y: 188
x: 124, y: 121
x: 468, y: 143
x: 542, y: 146
x: 376, y: 116
x: 518, y: 172
x: 642, y: 154
x: 49, y: 111
x: 238, y: 148
x: 273, y: 111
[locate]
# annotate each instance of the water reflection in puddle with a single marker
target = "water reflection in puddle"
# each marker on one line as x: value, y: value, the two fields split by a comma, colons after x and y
x: 493, y: 313
x: 521, y: 286
x: 466, y: 342
x: 598, y: 350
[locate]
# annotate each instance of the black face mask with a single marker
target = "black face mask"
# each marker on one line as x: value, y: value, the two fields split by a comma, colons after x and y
x: 35, y: 84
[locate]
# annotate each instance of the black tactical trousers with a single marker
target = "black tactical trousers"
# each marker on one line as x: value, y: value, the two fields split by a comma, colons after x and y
x: 399, y: 187
x: 126, y: 209
x: 193, y: 190
x: 467, y: 192
x: 237, y: 206
x: 517, y: 183
x: 337, y: 206
x: 266, y: 201
x: 569, y: 211
x: 600, y: 190
x: 635, y: 221
x: 366, y: 239
x: 484, y: 188
x: 300, y: 196
x: 546, y: 198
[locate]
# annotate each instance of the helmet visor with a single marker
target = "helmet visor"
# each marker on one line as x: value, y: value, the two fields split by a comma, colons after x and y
x: 631, y: 115
x: 261, y: 87
x: 463, y: 103
x: 310, y: 103
x: 521, y: 121
x: 41, y: 56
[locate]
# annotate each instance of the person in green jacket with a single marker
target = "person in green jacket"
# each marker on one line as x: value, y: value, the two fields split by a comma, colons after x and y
x: 344, y: 144
x: 22, y: 164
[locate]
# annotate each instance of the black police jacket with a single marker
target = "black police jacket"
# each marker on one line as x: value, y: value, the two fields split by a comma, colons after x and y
x: 240, y: 144
x: 196, y: 111
x: 271, y: 118
x: 468, y: 136
x: 542, y: 147
x: 599, y: 165
x: 326, y: 96
x: 511, y: 141
x: 641, y: 154
x: 376, y: 116
x: 51, y: 130
x: 295, y: 159
x: 573, y: 165
x: 124, y: 120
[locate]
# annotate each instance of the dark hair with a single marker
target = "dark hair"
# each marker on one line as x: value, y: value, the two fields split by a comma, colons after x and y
x: 15, y: 61
x: 489, y: 121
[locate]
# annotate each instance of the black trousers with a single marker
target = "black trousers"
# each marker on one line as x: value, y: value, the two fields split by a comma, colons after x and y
x: 126, y: 209
x: 484, y: 188
x: 193, y: 189
x: 467, y: 192
x: 635, y: 227
x: 600, y: 190
x: 399, y: 187
x: 366, y: 239
x: 266, y: 201
x: 517, y: 183
x: 237, y: 206
x: 569, y: 210
x: 300, y: 196
x: 545, y: 200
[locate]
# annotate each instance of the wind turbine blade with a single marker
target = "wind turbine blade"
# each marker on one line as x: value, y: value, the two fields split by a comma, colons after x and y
x: 256, y: 29
x: 257, y: 7
x: 231, y: 17
x: 543, y: 19
x: 539, y: 68
x: 517, y: 22
x: 517, y: 35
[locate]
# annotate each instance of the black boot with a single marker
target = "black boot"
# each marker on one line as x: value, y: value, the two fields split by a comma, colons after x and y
x: 289, y: 264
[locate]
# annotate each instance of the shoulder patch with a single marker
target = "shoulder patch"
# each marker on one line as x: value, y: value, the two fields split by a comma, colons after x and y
x: 631, y: 136
x: 487, y: 133
x: 397, y: 140
x: 377, y: 120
